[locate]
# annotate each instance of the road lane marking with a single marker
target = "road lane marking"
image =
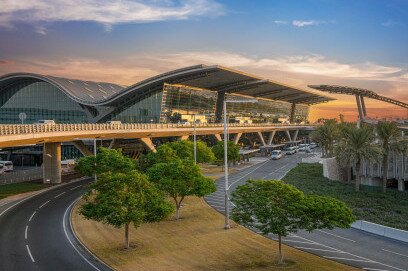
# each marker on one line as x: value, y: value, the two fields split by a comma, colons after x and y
x: 335, y: 235
x: 69, y: 240
x: 42, y: 205
x: 75, y: 187
x: 320, y: 249
x: 239, y: 179
x: 374, y: 269
x: 31, y: 217
x: 60, y: 194
x: 390, y: 251
x: 18, y: 202
x: 348, y: 259
x: 393, y: 267
x: 25, y: 232
x: 29, y: 253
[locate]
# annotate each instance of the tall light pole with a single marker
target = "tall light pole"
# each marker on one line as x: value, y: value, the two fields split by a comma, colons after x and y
x: 95, y: 158
x: 195, y: 140
x: 226, y: 188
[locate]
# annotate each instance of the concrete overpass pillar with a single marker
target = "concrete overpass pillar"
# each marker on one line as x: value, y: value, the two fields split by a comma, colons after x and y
x: 287, y: 132
x: 80, y: 145
x: 184, y: 137
x: 237, y: 137
x: 52, y: 163
x: 148, y: 143
x: 360, y: 110
x: 261, y: 138
x: 218, y: 137
x: 295, y: 135
x: 271, y: 136
x: 219, y: 105
x: 363, y: 107
x: 292, y: 113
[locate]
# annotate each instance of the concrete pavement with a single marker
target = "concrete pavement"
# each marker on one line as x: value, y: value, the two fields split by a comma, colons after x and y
x: 349, y: 246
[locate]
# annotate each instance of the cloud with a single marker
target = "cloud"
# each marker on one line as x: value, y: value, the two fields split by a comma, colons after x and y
x: 301, y: 23
x: 389, y: 23
x: 280, y: 22
x: 106, y: 12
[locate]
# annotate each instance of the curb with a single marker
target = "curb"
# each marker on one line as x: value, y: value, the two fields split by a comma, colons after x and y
x: 380, y: 230
x: 80, y: 243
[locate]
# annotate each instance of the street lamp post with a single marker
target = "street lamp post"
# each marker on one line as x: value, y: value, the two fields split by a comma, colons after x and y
x: 226, y: 188
x: 195, y: 140
x: 95, y: 157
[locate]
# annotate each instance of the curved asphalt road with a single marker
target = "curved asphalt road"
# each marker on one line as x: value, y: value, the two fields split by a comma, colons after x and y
x: 349, y: 246
x: 36, y: 235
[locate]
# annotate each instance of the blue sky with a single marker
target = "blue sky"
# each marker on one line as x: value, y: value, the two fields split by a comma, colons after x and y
x: 363, y: 43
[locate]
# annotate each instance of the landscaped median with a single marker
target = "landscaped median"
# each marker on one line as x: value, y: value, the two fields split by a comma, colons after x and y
x: 370, y: 203
x: 7, y: 190
x: 195, y: 242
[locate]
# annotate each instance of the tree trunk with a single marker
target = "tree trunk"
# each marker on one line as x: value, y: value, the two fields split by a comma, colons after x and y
x: 349, y: 174
x: 358, y: 168
x: 127, y: 245
x: 385, y: 172
x: 280, y: 256
x: 177, y: 211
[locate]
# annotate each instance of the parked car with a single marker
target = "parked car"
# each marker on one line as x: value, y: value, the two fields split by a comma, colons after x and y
x: 114, y: 122
x: 276, y: 154
x: 303, y: 147
x: 7, y: 165
x: 312, y: 145
x: 49, y: 122
x: 1, y: 169
x: 290, y: 150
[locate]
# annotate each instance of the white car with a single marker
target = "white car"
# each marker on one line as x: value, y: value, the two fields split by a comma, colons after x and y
x: 50, y: 122
x: 313, y: 145
x: 290, y: 150
x: 7, y: 166
x: 276, y: 155
x: 303, y: 147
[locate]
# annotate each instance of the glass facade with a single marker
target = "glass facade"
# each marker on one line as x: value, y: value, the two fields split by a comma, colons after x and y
x: 39, y: 100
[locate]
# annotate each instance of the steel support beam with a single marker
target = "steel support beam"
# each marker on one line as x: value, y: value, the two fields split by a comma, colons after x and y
x: 219, y: 106
x: 148, y: 143
x: 363, y: 107
x: 237, y: 138
x: 295, y: 135
x: 184, y: 137
x: 287, y: 132
x: 80, y: 145
x: 261, y: 138
x: 271, y: 137
x: 218, y: 137
x: 360, y: 111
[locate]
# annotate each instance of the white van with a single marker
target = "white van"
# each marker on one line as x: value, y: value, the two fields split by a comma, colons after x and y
x: 50, y: 122
x: 7, y: 165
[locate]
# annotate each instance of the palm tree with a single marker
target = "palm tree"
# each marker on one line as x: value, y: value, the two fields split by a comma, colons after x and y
x: 387, y: 132
x: 357, y: 145
x: 401, y: 147
x: 326, y: 135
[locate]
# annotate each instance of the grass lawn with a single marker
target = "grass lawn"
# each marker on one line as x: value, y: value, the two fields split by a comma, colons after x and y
x: 18, y: 188
x: 371, y: 204
x: 196, y: 242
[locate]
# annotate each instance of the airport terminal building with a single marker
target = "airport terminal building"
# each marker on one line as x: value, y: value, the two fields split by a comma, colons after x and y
x: 167, y: 98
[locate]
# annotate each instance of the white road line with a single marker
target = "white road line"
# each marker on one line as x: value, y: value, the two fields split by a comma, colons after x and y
x: 263, y: 163
x: 390, y: 251
x: 319, y: 249
x: 75, y: 187
x: 69, y: 240
x: 31, y: 217
x: 42, y: 205
x: 29, y: 253
x: 60, y: 194
x: 295, y: 241
x: 25, y: 232
x: 393, y: 267
x: 18, y: 202
x: 374, y: 269
x: 335, y: 235
x: 276, y: 170
x: 348, y: 259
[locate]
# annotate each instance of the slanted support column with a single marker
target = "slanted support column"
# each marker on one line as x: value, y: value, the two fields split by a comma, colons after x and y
x: 288, y: 135
x: 184, y: 137
x: 292, y: 113
x: 360, y: 111
x: 271, y: 136
x: 237, y: 137
x: 80, y: 145
x: 112, y: 144
x: 218, y: 137
x: 219, y: 105
x: 52, y: 163
x: 295, y: 135
x: 261, y: 138
x: 148, y: 143
x: 363, y: 107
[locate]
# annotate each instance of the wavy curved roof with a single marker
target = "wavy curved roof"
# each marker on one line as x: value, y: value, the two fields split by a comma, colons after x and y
x: 216, y: 78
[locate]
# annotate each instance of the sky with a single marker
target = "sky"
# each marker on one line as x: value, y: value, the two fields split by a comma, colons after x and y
x: 358, y: 43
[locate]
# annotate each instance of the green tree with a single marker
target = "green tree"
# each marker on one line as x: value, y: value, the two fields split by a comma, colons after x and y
x: 121, y: 199
x: 107, y: 160
x: 401, y: 147
x: 326, y: 135
x: 278, y: 208
x: 180, y: 178
x: 232, y: 153
x: 387, y: 132
x: 164, y: 154
x: 185, y: 150
x: 357, y: 145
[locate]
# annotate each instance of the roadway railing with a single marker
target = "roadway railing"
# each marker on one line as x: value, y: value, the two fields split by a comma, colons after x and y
x: 18, y: 129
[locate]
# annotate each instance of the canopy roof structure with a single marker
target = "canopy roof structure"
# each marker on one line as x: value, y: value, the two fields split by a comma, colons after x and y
x: 215, y: 78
